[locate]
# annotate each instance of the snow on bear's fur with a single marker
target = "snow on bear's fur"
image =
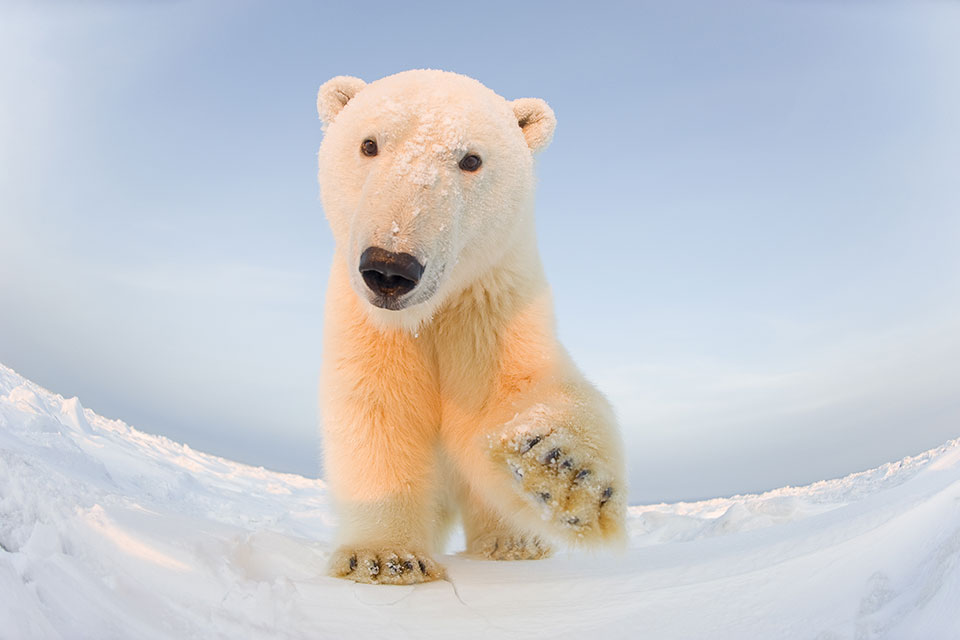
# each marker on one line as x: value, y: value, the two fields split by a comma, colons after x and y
x: 444, y: 390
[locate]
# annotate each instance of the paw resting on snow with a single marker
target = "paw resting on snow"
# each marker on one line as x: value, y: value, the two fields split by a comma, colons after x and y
x: 568, y: 483
x: 384, y: 566
x: 510, y: 547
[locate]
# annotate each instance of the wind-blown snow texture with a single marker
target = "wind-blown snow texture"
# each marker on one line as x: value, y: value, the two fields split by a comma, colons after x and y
x: 107, y: 532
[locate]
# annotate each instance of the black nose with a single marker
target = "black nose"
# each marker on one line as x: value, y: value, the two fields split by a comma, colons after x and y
x: 389, y: 274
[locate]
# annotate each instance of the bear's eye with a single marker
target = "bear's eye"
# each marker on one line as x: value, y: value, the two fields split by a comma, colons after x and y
x: 369, y: 147
x: 471, y: 162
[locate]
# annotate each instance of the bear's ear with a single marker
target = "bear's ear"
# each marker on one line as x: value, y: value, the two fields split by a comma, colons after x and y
x: 536, y: 120
x: 335, y: 94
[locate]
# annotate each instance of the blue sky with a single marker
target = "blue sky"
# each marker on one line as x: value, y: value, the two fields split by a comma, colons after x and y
x: 767, y: 196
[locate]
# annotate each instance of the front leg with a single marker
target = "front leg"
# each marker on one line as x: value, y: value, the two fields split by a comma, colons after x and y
x: 380, y: 424
x: 536, y: 441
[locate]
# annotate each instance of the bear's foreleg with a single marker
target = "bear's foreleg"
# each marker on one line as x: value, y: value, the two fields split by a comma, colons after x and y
x: 381, y: 474
x: 380, y: 425
x: 532, y: 437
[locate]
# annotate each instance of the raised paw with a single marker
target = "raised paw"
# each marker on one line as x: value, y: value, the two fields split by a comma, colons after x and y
x: 506, y: 546
x: 571, y: 485
x: 384, y: 566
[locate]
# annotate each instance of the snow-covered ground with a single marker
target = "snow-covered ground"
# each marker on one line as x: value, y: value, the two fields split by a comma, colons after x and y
x: 107, y: 532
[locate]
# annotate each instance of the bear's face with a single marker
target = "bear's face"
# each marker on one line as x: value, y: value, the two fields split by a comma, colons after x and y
x: 426, y: 179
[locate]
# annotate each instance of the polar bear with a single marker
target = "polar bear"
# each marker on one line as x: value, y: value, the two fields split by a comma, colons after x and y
x: 444, y: 389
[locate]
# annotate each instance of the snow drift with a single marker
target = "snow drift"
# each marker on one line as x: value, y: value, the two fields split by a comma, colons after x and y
x: 107, y: 532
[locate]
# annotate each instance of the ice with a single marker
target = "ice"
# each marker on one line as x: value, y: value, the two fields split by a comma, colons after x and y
x: 108, y: 532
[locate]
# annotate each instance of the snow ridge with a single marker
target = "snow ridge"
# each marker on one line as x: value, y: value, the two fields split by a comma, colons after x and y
x: 108, y: 532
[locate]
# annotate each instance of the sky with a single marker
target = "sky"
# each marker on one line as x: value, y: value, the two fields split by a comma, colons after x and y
x: 766, y: 196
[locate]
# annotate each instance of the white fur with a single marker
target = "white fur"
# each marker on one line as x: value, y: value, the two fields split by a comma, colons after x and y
x: 412, y: 197
x: 424, y: 406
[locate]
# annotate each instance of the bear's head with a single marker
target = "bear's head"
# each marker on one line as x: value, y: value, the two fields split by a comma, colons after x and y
x: 426, y: 178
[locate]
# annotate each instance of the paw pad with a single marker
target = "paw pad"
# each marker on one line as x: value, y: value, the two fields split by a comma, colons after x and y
x: 571, y: 485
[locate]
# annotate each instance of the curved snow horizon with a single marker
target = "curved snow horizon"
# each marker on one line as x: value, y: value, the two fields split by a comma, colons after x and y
x: 108, y: 532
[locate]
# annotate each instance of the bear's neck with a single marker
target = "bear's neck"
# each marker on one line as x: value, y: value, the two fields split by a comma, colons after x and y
x: 516, y: 278
x: 476, y: 332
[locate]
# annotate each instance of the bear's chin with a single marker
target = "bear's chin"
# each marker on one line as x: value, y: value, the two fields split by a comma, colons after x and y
x: 388, y: 303
x: 409, y: 313
x: 410, y: 319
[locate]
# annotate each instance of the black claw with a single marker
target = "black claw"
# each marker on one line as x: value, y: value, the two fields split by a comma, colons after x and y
x: 353, y: 562
x: 605, y: 496
x: 374, y: 567
x: 407, y: 565
x: 552, y: 456
x: 573, y: 520
x: 545, y: 496
x: 423, y: 567
x: 566, y: 464
x: 583, y: 473
x: 394, y: 566
x: 531, y: 443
